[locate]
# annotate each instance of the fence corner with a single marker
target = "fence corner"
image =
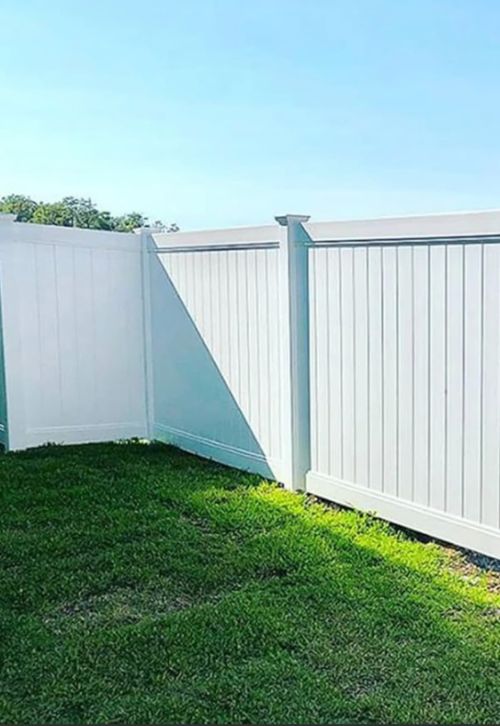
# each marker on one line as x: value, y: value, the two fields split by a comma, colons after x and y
x: 146, y: 244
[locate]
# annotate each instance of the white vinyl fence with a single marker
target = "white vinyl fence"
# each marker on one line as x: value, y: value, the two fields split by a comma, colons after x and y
x: 73, y: 335
x: 405, y: 349
x: 359, y: 361
x: 217, y: 352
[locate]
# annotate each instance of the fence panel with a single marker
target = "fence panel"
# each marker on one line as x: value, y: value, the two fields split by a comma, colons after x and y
x: 73, y: 334
x: 216, y: 348
x: 405, y: 407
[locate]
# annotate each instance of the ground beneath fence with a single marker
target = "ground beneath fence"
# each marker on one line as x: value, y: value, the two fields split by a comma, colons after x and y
x: 139, y: 584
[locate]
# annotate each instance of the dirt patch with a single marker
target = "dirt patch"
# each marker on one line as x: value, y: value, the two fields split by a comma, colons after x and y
x: 120, y: 605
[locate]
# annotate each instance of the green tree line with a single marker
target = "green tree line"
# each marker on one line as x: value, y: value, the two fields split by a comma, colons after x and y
x: 75, y: 212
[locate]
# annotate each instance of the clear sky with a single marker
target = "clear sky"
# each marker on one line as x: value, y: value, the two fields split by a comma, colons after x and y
x: 226, y: 112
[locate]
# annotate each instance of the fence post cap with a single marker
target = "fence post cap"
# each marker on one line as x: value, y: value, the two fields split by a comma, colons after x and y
x: 287, y: 219
x: 147, y: 230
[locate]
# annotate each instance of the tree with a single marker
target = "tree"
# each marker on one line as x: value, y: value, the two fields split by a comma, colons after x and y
x: 18, y: 204
x: 74, y: 212
x: 56, y: 213
x: 129, y: 222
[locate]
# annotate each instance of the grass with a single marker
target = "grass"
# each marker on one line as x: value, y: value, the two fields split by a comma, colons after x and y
x: 140, y: 584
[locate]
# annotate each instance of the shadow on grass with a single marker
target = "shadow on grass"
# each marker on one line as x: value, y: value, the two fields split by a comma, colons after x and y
x: 159, y: 588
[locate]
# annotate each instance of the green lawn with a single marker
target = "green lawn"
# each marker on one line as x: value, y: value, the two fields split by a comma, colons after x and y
x: 139, y: 584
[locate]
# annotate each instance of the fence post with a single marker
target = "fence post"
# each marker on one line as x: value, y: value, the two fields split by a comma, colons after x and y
x: 294, y: 291
x: 12, y: 344
x: 147, y: 244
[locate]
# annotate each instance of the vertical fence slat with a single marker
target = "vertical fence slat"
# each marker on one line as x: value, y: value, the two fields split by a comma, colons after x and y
x: 455, y: 380
x: 348, y: 379
x: 334, y: 399
x: 406, y: 372
x: 437, y: 377
x: 319, y: 365
x: 361, y: 363
x: 390, y: 371
x: 274, y: 356
x: 421, y: 375
x: 315, y: 342
x: 375, y: 388
x: 472, y: 382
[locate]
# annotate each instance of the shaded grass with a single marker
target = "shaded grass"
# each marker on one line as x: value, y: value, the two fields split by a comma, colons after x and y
x: 140, y: 584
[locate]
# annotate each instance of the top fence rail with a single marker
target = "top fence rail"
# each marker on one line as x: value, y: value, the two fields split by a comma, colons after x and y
x: 405, y: 241
x: 265, y: 234
x: 217, y: 247
x: 473, y: 225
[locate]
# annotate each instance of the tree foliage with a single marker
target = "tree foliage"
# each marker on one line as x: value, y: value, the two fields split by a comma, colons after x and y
x: 75, y: 212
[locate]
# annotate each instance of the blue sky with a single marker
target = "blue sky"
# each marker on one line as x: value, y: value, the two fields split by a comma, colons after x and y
x: 227, y: 112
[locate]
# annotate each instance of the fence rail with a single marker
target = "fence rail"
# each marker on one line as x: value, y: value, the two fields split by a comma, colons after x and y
x: 242, y: 247
x: 405, y: 242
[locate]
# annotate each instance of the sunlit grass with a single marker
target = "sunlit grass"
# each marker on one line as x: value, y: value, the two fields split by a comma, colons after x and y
x: 139, y: 584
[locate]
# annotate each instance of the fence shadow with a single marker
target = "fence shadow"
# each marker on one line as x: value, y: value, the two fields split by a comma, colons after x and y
x: 195, y: 408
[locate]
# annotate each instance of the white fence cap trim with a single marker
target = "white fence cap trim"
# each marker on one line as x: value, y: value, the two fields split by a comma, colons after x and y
x: 461, y: 224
